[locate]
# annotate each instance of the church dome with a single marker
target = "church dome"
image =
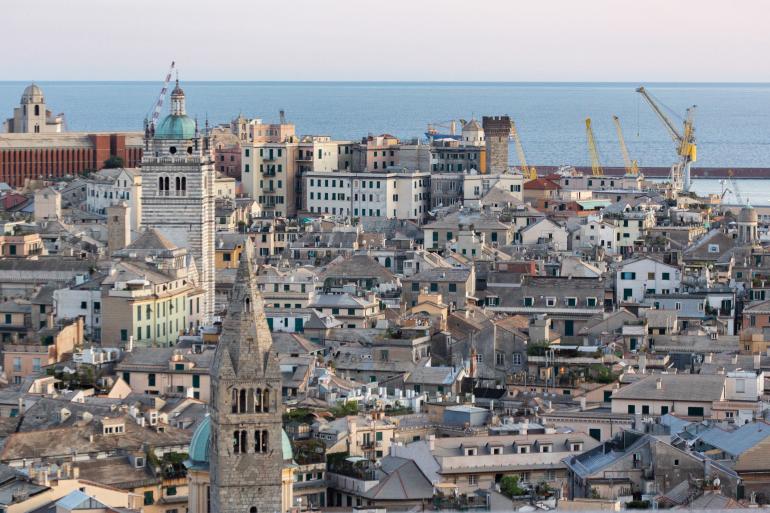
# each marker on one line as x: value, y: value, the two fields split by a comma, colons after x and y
x: 32, y: 94
x: 176, y: 127
x: 748, y: 215
x: 199, y: 445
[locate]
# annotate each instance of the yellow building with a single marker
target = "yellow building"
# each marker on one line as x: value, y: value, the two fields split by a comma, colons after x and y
x: 151, y: 294
x: 228, y: 250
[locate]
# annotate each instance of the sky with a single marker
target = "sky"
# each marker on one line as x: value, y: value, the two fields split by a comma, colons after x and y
x: 420, y: 40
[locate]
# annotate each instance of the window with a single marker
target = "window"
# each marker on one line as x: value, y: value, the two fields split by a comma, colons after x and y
x: 666, y: 276
x: 631, y: 408
x: 627, y: 276
x: 83, y: 305
x: 529, y: 301
x: 151, y: 380
x: 499, y: 358
x: 472, y: 480
x: 149, y: 498
x: 516, y: 358
x: 595, y: 433
x: 452, y: 287
x: 695, y: 411
x: 571, y: 301
x: 550, y: 301
x: 645, y: 409
x: 415, y: 286
x: 124, y: 335
x: 650, y: 276
x: 434, y: 287
x: 590, y: 301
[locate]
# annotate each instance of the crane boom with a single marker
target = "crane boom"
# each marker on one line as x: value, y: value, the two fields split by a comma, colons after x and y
x: 530, y: 173
x: 685, y: 141
x: 593, y: 150
x: 632, y: 168
x: 672, y: 130
x: 159, y: 103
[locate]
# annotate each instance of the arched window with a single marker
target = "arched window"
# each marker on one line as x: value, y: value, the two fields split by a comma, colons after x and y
x: 236, y: 442
x: 178, y: 184
x: 165, y: 184
x: 253, y: 509
x: 387, y: 262
x: 250, y: 401
x: 264, y: 440
x: 258, y: 400
x: 257, y: 441
x: 265, y: 401
x: 234, y: 405
x: 244, y: 442
x: 37, y: 110
x: 160, y: 183
x: 242, y: 402
x: 247, y: 305
x: 184, y: 183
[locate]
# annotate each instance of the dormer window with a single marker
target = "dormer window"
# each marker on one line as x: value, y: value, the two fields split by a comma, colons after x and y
x: 470, y: 451
x: 546, y: 448
x: 495, y: 450
x: 576, y: 446
x: 523, y: 449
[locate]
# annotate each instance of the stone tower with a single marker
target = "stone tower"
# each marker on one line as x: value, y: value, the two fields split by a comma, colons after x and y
x: 246, y: 459
x: 118, y: 227
x: 497, y: 131
x: 178, y: 189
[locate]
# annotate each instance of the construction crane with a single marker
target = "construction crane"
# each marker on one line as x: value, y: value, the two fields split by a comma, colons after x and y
x: 685, y: 141
x: 596, y: 166
x: 632, y: 167
x: 451, y: 125
x: 734, y: 188
x: 530, y: 173
x: 162, y: 96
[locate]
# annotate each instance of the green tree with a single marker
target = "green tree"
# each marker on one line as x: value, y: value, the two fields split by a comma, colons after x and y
x: 114, y: 162
x: 509, y: 485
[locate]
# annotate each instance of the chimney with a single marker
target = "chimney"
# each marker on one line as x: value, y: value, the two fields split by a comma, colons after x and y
x: 431, y: 442
x: 582, y: 404
x: 659, y: 383
x: 75, y: 472
x: 757, y: 361
x: 735, y: 359
x: 709, y: 358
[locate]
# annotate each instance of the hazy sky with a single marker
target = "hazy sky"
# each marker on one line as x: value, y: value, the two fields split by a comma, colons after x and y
x: 465, y: 40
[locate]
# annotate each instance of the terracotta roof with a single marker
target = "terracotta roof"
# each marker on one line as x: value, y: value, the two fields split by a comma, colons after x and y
x: 541, y: 184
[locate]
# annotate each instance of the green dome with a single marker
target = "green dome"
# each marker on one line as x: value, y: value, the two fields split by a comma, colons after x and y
x: 199, y: 444
x: 176, y: 127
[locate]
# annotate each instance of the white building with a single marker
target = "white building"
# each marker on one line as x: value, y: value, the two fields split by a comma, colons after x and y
x: 544, y: 231
x: 178, y: 190
x: 109, y: 187
x: 476, y: 186
x: 82, y: 300
x: 641, y: 276
x: 596, y: 233
x: 392, y: 194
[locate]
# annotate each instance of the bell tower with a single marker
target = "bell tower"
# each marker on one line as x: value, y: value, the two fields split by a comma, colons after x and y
x: 246, y: 458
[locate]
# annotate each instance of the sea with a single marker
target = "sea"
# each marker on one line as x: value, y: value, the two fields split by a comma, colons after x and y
x: 732, y: 120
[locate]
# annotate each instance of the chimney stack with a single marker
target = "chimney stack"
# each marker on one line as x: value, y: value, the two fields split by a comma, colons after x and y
x: 659, y: 383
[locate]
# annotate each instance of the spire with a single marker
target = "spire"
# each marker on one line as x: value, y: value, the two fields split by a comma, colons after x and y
x: 177, y: 100
x: 246, y: 338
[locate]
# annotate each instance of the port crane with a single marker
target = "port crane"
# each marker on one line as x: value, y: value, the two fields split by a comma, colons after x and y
x: 632, y: 167
x: 530, y: 173
x: 451, y: 125
x: 733, y: 187
x: 162, y: 96
x: 685, y: 142
x: 593, y: 150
